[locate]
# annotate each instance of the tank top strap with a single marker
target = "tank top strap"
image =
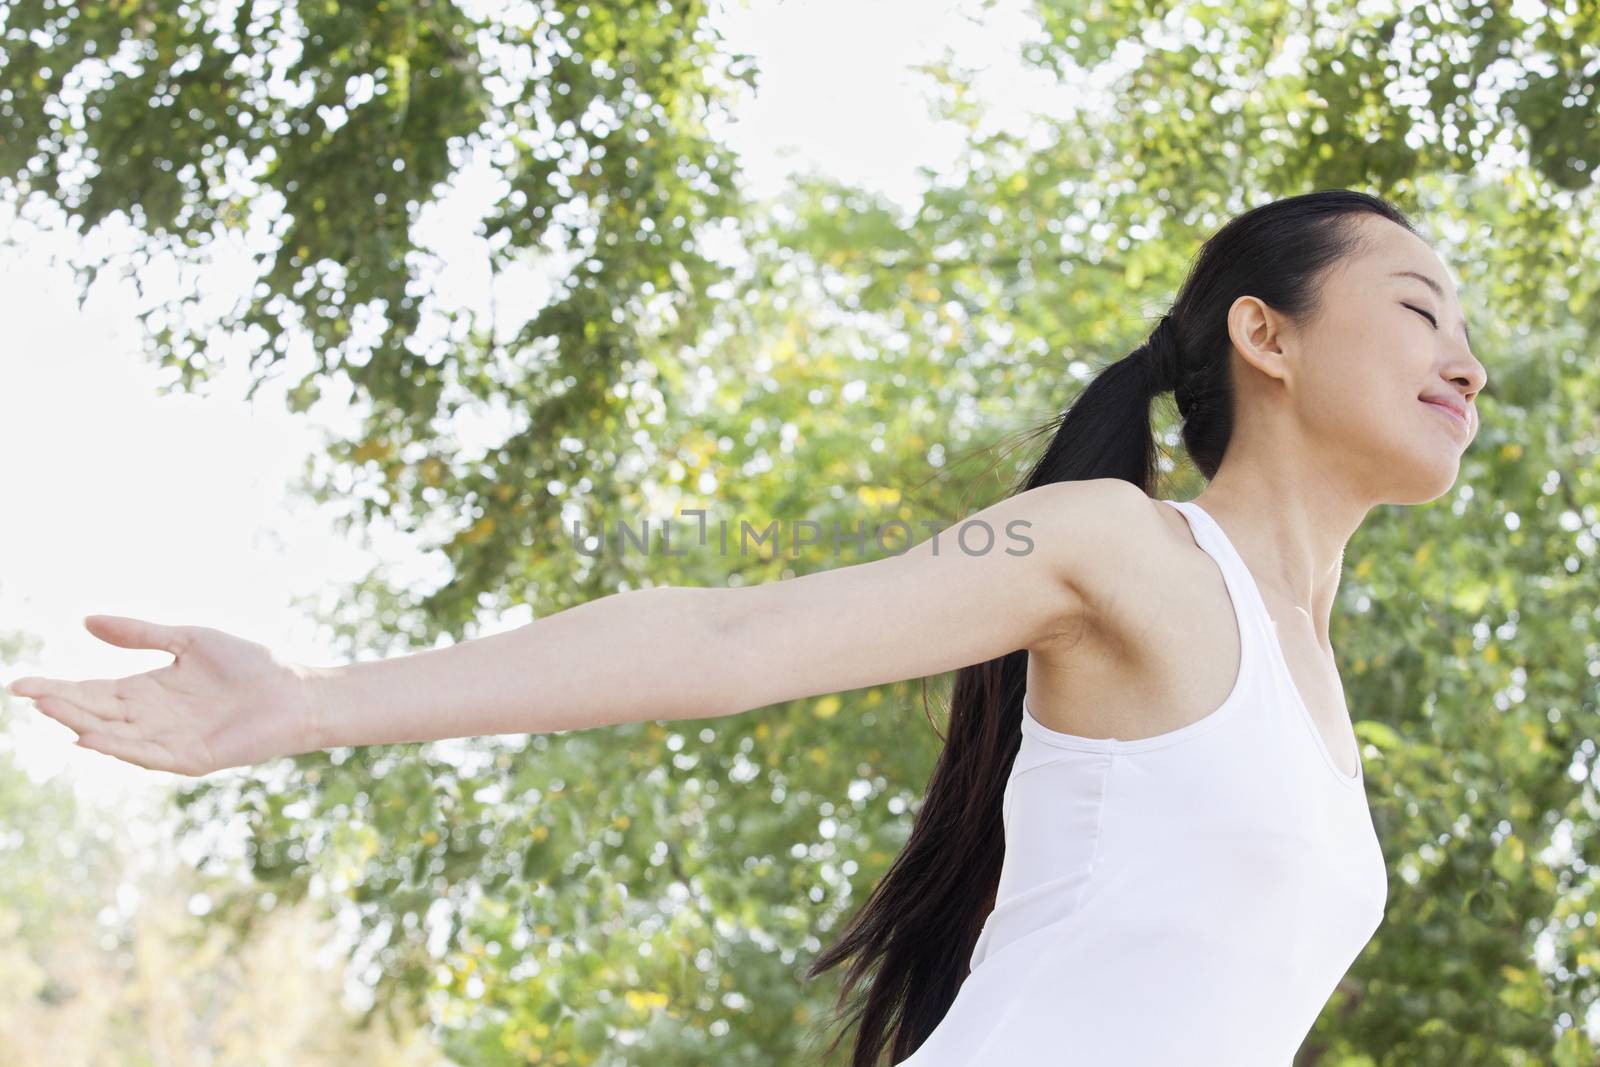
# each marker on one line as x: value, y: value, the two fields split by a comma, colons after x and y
x: 1249, y: 609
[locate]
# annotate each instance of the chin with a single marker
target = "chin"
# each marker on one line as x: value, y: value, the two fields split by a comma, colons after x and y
x: 1424, y: 486
x: 1419, y: 468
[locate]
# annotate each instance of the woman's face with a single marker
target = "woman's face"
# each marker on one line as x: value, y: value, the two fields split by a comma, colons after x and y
x: 1359, y: 388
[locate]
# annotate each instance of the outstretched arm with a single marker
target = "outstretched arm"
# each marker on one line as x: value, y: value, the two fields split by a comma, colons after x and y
x: 661, y: 653
x: 688, y: 653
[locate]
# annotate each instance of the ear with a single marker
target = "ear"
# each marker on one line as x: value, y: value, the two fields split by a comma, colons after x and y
x: 1258, y: 333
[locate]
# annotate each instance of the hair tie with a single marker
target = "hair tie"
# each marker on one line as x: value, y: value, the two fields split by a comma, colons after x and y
x: 1160, y: 354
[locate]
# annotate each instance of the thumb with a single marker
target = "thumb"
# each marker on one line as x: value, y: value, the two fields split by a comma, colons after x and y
x: 124, y: 632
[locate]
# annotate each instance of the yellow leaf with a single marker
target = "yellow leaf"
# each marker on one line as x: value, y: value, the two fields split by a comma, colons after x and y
x: 479, y: 530
x: 367, y: 451
x: 642, y: 1001
x: 873, y: 496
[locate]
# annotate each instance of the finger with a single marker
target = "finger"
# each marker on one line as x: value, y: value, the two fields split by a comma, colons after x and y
x: 133, y: 750
x: 24, y: 687
x: 124, y: 632
x: 97, y: 696
x: 76, y: 718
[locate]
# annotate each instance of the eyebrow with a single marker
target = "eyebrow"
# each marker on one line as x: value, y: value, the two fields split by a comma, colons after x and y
x: 1438, y: 291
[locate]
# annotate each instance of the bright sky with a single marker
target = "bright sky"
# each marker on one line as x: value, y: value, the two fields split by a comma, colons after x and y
x: 177, y: 509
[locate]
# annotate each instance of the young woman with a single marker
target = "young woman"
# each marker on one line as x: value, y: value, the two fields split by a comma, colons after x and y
x: 1147, y: 840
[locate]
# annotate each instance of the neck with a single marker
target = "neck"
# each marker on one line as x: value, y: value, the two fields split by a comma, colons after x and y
x: 1291, y: 537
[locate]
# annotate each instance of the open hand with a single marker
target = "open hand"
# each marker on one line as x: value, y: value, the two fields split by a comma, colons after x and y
x: 223, y: 702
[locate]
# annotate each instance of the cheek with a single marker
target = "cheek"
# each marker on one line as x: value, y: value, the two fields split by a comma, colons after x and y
x: 1370, y: 377
x: 1370, y: 406
x: 1351, y: 392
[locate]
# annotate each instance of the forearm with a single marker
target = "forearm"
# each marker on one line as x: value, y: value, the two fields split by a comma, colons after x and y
x: 628, y: 657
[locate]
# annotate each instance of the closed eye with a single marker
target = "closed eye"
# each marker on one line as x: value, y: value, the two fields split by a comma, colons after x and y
x: 1424, y: 314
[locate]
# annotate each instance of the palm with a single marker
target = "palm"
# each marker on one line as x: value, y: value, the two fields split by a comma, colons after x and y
x: 223, y: 701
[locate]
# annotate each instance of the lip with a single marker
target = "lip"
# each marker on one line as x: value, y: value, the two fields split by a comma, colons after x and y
x: 1459, y: 418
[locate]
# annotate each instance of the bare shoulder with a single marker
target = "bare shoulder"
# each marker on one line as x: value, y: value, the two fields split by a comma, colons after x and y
x: 1098, y: 536
x: 1101, y: 522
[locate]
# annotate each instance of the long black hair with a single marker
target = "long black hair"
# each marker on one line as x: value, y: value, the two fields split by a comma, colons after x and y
x: 916, y: 933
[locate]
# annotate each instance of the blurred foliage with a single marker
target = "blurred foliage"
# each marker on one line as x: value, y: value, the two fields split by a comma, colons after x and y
x: 103, y: 962
x: 651, y: 893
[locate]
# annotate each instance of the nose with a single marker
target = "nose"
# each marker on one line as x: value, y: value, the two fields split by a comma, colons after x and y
x: 1466, y: 370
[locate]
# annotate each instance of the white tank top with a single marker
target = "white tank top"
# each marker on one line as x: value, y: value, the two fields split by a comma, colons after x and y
x: 1188, y: 899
